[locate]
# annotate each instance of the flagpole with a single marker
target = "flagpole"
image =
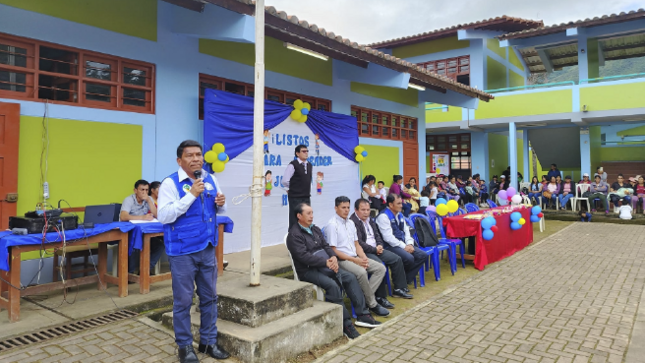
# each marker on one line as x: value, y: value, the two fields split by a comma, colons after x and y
x: 258, y: 142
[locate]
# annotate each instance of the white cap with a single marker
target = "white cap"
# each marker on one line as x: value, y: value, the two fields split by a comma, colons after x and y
x: 585, y: 174
x: 503, y: 176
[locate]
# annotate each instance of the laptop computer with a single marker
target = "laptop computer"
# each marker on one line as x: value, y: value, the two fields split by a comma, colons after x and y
x: 98, y: 214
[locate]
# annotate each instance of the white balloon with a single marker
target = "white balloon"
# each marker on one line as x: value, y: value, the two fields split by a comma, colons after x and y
x: 516, y: 199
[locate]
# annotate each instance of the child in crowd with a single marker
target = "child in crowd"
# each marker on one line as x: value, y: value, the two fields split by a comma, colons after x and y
x: 434, y: 191
x: 472, y: 195
x: 625, y: 211
x: 424, y: 201
x: 381, y: 191
x: 483, y: 193
x: 493, y: 187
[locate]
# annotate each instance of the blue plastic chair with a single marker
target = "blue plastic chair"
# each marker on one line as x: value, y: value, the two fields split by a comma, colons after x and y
x: 431, y: 252
x: 451, y: 242
x: 472, y: 207
x: 460, y: 211
x: 491, y: 204
x: 435, y: 251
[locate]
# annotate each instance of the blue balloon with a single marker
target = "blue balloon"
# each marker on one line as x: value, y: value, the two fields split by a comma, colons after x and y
x: 304, y: 111
x: 440, y: 201
x: 364, y: 153
x: 535, y: 219
x: 488, y: 235
x: 536, y: 210
x: 493, y: 220
x: 488, y: 222
x: 515, y: 216
x: 222, y: 156
x: 515, y: 226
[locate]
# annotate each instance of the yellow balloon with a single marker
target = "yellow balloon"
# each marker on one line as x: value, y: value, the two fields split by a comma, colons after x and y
x: 218, y: 166
x: 521, y: 221
x: 452, y: 206
x: 296, y: 115
x: 359, y: 158
x: 298, y: 104
x: 303, y: 118
x: 226, y: 161
x: 358, y: 149
x: 306, y: 105
x: 442, y: 209
x: 210, y: 157
x: 218, y: 148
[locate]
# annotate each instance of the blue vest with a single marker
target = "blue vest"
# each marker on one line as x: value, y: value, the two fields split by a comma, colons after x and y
x: 397, y: 226
x: 194, y: 230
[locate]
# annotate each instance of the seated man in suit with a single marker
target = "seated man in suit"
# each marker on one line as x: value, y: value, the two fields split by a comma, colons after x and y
x: 396, y: 235
x: 370, y: 239
x: 340, y: 233
x: 316, y: 262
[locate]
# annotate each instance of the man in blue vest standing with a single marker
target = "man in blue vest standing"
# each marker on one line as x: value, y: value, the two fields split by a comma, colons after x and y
x: 188, y: 203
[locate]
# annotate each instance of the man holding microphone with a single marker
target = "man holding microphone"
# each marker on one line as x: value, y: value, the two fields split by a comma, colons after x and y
x: 188, y: 203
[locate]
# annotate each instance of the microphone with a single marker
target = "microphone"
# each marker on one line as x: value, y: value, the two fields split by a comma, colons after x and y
x: 198, y: 174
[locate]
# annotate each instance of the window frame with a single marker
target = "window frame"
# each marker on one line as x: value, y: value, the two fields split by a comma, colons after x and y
x: 410, y: 131
x: 80, y: 79
x: 435, y: 64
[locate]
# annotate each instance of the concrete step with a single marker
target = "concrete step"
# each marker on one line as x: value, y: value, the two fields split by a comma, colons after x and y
x: 282, y: 339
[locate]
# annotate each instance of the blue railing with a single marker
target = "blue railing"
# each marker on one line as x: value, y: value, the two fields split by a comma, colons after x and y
x: 532, y: 86
x: 612, y: 78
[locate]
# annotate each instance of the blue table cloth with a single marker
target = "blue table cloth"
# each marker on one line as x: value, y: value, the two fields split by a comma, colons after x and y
x: 7, y: 239
x: 136, y: 234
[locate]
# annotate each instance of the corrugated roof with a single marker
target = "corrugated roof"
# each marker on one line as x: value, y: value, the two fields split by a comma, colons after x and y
x: 556, y: 28
x: 501, y: 23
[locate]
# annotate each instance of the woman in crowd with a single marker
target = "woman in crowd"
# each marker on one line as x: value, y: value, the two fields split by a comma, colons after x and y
x: 639, y: 194
x: 411, y: 188
x: 535, y: 190
x: 396, y: 188
x: 544, y: 181
x: 567, y: 191
x: 493, y: 186
x: 453, y: 191
x: 585, y: 179
x: 154, y: 191
x: 370, y: 193
x: 551, y: 193
x: 620, y: 191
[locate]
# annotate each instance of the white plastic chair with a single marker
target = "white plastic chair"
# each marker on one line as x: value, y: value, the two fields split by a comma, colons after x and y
x: 526, y: 185
x: 580, y: 190
x: 115, y: 261
x: 320, y: 293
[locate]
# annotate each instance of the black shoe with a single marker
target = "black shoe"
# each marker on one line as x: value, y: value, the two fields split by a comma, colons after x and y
x: 384, y: 303
x: 406, y: 289
x: 187, y: 355
x: 367, y: 321
x: 379, y: 310
x: 401, y: 293
x: 214, y: 351
x: 351, y: 332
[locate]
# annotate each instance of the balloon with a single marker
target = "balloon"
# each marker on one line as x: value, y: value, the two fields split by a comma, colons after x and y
x: 503, y: 202
x: 296, y: 115
x: 440, y: 201
x: 516, y: 199
x: 515, y: 226
x: 358, y: 149
x: 494, y: 228
x: 218, y: 148
x: 540, y: 215
x: 442, y: 210
x: 535, y: 218
x: 210, y: 156
x: 515, y: 216
x: 303, y: 119
x: 509, y: 198
x: 536, y: 210
x: 511, y: 191
x: 487, y: 223
x: 494, y: 221
x: 306, y: 105
x: 297, y: 104
x: 488, y: 235
x: 304, y: 111
x: 522, y: 221
x: 452, y: 206
x: 218, y: 166
x: 364, y: 153
x: 359, y: 158
x: 502, y: 194
x: 226, y: 161
x: 222, y: 157
x: 431, y: 208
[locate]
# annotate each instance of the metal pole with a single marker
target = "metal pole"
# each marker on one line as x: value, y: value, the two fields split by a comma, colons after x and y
x: 258, y: 158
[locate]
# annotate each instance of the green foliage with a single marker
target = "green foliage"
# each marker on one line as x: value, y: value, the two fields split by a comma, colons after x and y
x: 618, y: 67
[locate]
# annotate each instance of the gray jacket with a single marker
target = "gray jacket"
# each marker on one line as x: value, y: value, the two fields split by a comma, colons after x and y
x: 601, y: 187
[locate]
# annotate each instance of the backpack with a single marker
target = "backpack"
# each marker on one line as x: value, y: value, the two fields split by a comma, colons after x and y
x: 425, y: 235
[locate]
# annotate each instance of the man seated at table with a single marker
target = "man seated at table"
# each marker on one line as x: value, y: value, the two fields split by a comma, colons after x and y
x: 140, y: 206
x: 396, y: 235
x: 316, y: 262
x: 340, y: 233
x: 371, y: 241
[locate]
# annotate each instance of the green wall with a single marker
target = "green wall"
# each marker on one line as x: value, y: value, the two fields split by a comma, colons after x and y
x: 595, y: 147
x: 593, y: 61
x: 521, y: 104
x: 443, y: 114
x: 514, y: 59
x: 493, y: 44
x: 496, y: 74
x: 408, y: 96
x: 498, y: 151
x: 514, y: 79
x: 622, y: 154
x: 382, y: 162
x: 278, y: 58
x: 137, y: 18
x: 429, y: 47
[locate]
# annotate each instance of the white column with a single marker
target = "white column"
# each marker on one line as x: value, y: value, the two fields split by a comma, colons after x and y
x: 527, y: 156
x: 512, y: 153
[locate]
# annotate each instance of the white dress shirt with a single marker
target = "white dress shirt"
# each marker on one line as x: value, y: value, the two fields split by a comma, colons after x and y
x: 383, y: 223
x: 288, y: 173
x: 370, y: 240
x: 341, y: 233
x: 170, y: 207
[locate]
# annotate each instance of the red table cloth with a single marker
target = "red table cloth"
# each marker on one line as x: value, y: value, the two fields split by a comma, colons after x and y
x: 505, y: 242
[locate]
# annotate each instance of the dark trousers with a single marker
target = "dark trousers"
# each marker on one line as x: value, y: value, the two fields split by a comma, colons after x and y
x: 615, y: 199
x: 293, y: 202
x: 334, y: 294
x: 156, y: 250
x: 407, y: 207
x: 484, y: 197
x: 200, y: 269
x: 412, y: 262
x: 395, y: 264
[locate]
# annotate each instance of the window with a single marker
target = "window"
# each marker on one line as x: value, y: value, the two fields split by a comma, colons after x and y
x: 33, y: 70
x: 457, y: 69
x: 206, y: 81
x: 383, y: 125
x: 458, y: 146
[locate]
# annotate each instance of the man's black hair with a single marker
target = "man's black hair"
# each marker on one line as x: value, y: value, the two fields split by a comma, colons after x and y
x: 140, y: 182
x: 391, y: 198
x: 342, y: 199
x: 299, y: 208
x: 299, y: 147
x: 358, y: 202
x: 187, y: 143
x: 554, y: 165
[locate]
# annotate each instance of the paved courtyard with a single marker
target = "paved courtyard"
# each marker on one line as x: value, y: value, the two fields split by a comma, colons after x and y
x: 571, y: 298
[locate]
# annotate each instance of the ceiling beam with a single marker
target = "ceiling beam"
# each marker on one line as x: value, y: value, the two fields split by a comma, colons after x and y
x: 546, y: 61
x: 427, y: 85
x: 188, y: 4
x: 625, y: 56
x: 623, y: 47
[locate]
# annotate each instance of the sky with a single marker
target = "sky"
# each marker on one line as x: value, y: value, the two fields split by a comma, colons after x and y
x: 369, y: 21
